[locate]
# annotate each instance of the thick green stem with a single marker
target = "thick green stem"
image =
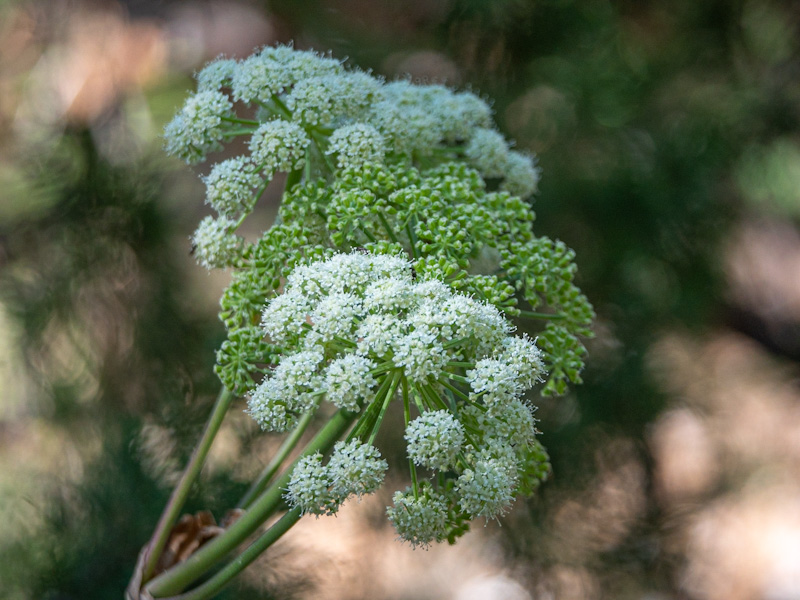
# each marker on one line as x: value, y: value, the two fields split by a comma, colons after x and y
x: 181, y: 491
x: 269, y: 471
x: 176, y: 579
x: 237, y: 565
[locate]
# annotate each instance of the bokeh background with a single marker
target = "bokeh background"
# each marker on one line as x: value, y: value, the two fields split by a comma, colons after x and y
x: 669, y: 139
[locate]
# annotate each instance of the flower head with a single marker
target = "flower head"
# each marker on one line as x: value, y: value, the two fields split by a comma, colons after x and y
x: 197, y: 129
x: 214, y: 244
x: 435, y: 439
x: 419, y: 518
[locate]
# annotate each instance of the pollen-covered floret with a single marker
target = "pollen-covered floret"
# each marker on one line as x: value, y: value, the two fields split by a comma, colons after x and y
x: 215, y: 246
x: 197, y: 129
x: 230, y: 187
x: 279, y: 146
x: 356, y: 144
x: 348, y: 381
x: 419, y: 519
x: 355, y: 469
x: 434, y: 440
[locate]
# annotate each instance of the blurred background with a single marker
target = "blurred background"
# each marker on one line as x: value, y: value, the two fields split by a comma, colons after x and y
x: 669, y: 139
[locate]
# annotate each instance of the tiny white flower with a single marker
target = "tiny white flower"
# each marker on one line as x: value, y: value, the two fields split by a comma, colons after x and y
x: 524, y: 357
x: 285, y: 315
x: 420, y: 353
x: 336, y: 315
x: 495, y: 380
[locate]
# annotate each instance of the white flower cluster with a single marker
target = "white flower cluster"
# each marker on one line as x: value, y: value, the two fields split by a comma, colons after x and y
x: 230, y: 185
x: 353, y: 326
x: 214, y: 245
x: 310, y: 106
x: 435, y: 439
x: 279, y: 146
x: 197, y: 129
x: 357, y: 144
x: 489, y: 152
x: 354, y: 469
x: 420, y: 518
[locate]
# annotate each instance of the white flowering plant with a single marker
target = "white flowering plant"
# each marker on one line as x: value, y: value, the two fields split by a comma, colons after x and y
x: 402, y: 251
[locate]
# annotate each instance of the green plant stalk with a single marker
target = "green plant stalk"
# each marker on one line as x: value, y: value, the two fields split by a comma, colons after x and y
x: 272, y: 467
x: 181, y: 491
x: 539, y: 315
x: 221, y: 578
x: 389, y: 395
x: 176, y: 579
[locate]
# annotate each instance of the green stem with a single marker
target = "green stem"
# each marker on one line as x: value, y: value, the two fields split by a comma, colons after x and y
x: 177, y: 578
x: 390, y: 394
x: 434, y: 398
x: 241, y: 121
x: 454, y: 389
x: 389, y: 230
x: 367, y: 420
x: 538, y: 315
x: 237, y: 565
x: 181, y: 491
x: 240, y: 131
x: 269, y: 471
x: 452, y: 343
x: 319, y: 143
x: 281, y: 106
x: 407, y: 420
x: 458, y: 378
x: 412, y: 239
